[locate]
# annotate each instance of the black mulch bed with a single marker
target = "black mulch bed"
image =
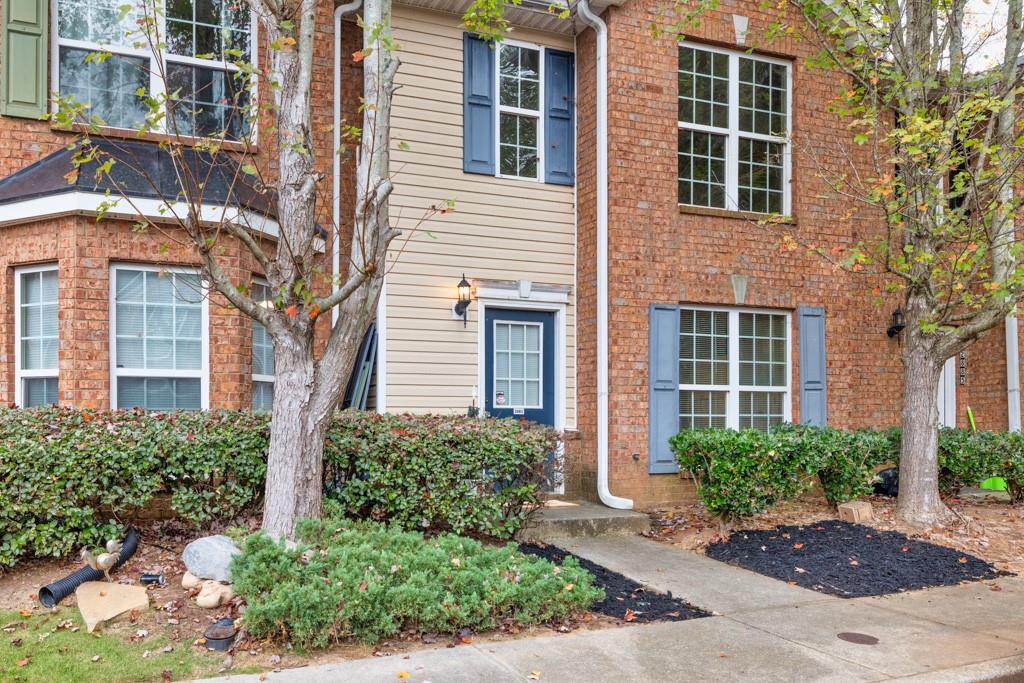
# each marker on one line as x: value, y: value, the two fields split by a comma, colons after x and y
x: 849, y: 560
x: 624, y: 598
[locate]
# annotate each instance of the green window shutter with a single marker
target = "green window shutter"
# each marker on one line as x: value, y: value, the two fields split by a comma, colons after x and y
x: 24, y: 44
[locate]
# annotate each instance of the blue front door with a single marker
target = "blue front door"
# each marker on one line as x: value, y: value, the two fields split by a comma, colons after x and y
x: 520, y: 364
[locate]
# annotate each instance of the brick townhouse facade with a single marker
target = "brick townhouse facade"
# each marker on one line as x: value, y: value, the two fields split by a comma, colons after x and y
x: 709, y: 321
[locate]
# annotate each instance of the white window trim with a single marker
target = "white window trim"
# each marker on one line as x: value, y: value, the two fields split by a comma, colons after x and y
x: 733, y: 132
x: 494, y: 359
x: 156, y: 85
x: 503, y: 109
x: 732, y: 408
x: 260, y: 378
x: 203, y: 373
x: 19, y: 373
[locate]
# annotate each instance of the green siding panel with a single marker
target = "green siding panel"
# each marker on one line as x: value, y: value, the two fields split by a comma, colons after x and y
x: 24, y: 52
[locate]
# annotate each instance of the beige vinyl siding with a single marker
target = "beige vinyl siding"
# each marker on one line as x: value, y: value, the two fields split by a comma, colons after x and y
x: 501, y: 229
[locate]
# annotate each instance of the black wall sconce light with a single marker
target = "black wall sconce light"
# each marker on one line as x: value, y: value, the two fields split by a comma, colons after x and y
x: 461, y: 306
x: 897, y: 323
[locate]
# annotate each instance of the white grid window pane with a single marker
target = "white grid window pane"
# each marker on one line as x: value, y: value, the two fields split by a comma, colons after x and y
x: 703, y: 87
x: 96, y: 21
x: 263, y: 397
x: 517, y: 365
x: 762, y: 343
x: 519, y: 85
x: 159, y: 393
x: 38, y: 391
x: 761, y: 173
x: 262, y: 356
x: 205, y: 29
x: 761, y: 409
x: 518, y: 145
x: 702, y: 168
x: 703, y: 347
x: 110, y: 89
x: 158, y: 320
x: 762, y: 97
x: 702, y: 409
x: 38, y: 320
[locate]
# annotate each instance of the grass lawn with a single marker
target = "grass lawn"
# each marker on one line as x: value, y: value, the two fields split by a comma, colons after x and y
x: 50, y: 651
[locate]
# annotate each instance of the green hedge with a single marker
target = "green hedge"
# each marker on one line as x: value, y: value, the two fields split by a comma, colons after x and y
x: 739, y: 474
x: 437, y: 473
x: 66, y: 475
x: 369, y: 581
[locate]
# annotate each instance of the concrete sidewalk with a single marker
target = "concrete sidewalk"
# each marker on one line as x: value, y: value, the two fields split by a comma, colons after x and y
x: 766, y: 631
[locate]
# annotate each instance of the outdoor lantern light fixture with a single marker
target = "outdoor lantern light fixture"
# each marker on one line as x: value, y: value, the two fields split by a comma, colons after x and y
x: 897, y: 323
x: 462, y: 305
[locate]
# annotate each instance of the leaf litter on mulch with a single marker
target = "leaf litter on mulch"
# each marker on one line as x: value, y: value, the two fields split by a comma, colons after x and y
x: 849, y: 560
x: 624, y: 598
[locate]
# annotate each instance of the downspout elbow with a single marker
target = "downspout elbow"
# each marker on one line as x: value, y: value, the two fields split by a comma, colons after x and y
x: 601, y: 110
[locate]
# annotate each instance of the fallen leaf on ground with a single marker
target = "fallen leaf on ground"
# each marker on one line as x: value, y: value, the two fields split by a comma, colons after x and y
x: 22, y: 662
x: 797, y: 546
x: 95, y: 658
x: 629, y: 616
x: 402, y: 674
x: 962, y: 560
x: 534, y: 675
x: 25, y: 612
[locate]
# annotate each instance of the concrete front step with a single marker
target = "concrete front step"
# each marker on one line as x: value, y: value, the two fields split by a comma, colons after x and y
x: 578, y: 519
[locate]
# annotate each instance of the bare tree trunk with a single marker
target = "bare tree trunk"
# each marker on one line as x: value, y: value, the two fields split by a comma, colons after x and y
x: 919, y: 503
x: 295, y: 457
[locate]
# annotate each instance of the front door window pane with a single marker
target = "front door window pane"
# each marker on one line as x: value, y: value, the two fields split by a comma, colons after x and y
x: 517, y: 365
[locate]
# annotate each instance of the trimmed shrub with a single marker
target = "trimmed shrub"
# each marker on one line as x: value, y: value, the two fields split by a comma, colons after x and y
x: 438, y: 473
x: 60, y: 467
x: 740, y: 474
x: 369, y: 581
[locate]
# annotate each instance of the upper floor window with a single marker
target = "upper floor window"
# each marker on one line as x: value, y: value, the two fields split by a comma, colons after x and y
x: 36, y: 331
x: 519, y: 116
x: 262, y: 356
x: 159, y: 338
x: 519, y: 111
x: 199, y: 40
x: 734, y: 127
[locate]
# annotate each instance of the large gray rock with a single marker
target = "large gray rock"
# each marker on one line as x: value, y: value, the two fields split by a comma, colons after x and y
x: 209, y: 557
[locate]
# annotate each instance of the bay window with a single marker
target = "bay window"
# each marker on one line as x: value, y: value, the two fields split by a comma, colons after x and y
x: 734, y: 368
x: 158, y: 339
x: 199, y: 41
x: 36, y: 332
x: 734, y: 127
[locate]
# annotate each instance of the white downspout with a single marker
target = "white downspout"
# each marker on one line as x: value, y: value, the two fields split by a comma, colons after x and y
x: 339, y: 12
x: 601, y: 68
x: 1012, y: 375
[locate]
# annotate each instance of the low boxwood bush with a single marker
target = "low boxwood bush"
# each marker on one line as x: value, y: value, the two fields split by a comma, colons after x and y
x: 369, y: 581
x: 438, y: 473
x: 66, y: 475
x: 739, y: 474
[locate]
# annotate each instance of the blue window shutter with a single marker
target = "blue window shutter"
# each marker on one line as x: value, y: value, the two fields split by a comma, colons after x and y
x: 559, y: 109
x: 813, y: 403
x: 663, y: 392
x: 478, y: 77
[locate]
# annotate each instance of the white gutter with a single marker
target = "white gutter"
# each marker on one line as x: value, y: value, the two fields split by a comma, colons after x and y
x: 601, y: 69
x: 339, y: 12
x: 1012, y: 375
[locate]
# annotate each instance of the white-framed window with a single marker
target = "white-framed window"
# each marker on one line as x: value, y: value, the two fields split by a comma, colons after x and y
x: 520, y: 110
x: 518, y: 364
x: 37, y: 335
x: 734, y: 368
x: 734, y: 130
x: 262, y: 356
x: 198, y: 39
x: 159, y: 338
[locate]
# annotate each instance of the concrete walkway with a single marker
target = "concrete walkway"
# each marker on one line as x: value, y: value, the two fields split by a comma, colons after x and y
x: 766, y: 630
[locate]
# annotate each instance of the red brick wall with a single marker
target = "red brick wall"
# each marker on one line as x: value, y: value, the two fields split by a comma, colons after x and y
x: 662, y: 254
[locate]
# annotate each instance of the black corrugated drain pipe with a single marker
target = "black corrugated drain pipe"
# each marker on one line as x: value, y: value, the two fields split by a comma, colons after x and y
x: 58, y: 590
